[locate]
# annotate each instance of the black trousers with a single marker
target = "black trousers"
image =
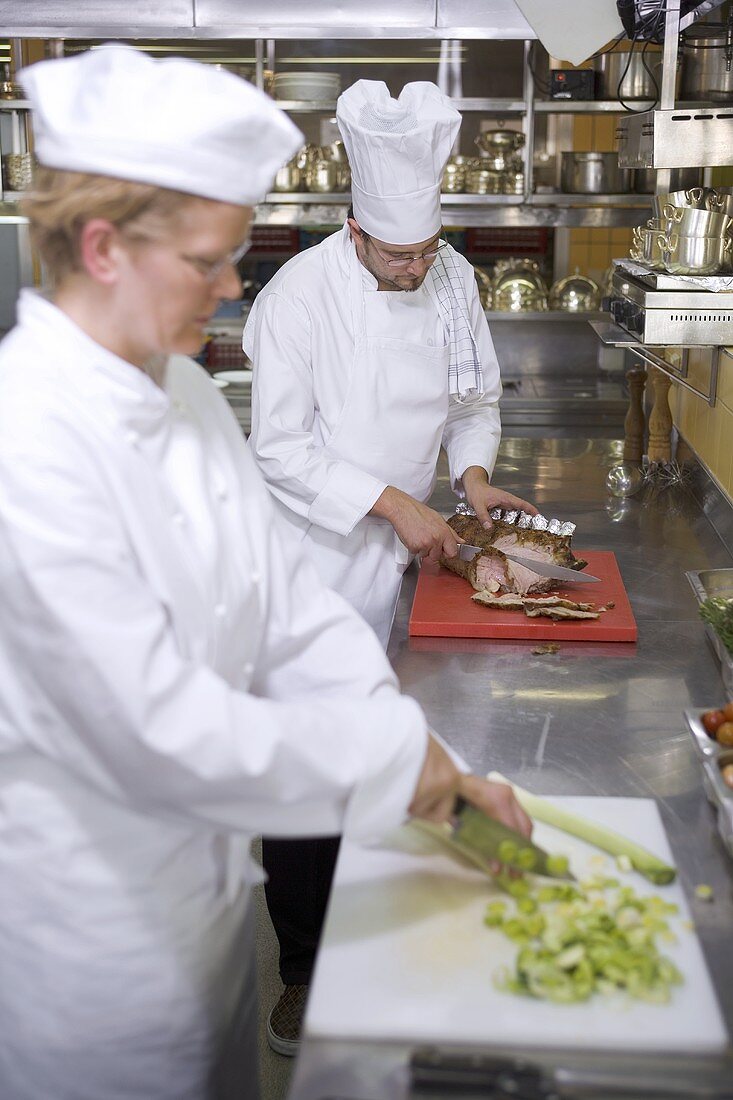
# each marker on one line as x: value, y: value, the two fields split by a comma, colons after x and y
x: 299, y: 882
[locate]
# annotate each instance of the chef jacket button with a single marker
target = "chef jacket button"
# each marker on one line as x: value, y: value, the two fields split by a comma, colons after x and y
x: 256, y: 577
x: 430, y: 342
x: 179, y: 406
x: 132, y: 438
x: 220, y: 610
x: 222, y: 491
x: 248, y: 669
x: 179, y: 518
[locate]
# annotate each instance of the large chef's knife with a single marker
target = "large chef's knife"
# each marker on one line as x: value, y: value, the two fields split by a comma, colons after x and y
x: 467, y: 552
x: 487, y: 841
x: 497, y: 1078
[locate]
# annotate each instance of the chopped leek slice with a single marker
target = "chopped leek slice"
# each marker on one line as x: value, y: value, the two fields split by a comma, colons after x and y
x: 574, y: 946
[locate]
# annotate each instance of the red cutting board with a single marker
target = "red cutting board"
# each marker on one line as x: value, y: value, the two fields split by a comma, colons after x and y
x: 443, y: 608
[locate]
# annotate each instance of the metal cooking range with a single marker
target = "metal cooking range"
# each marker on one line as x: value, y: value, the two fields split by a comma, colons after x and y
x: 659, y: 309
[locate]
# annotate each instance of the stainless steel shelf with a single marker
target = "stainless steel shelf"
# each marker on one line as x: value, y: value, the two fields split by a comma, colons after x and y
x: 9, y: 215
x: 577, y: 106
x: 551, y: 315
x: 557, y: 198
x: 554, y: 198
x: 503, y: 106
x: 12, y: 196
x: 15, y: 105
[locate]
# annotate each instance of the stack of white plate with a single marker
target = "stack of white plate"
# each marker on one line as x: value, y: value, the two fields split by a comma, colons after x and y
x: 308, y: 86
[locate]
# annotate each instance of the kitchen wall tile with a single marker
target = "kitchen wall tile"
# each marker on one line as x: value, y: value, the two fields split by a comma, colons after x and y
x: 725, y: 381
x: 583, y: 134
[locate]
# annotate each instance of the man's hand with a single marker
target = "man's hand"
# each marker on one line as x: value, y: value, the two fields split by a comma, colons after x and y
x: 422, y: 530
x: 440, y: 782
x: 483, y: 497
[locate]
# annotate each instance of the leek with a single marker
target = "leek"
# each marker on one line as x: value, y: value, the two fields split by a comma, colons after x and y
x: 641, y: 859
x: 577, y: 941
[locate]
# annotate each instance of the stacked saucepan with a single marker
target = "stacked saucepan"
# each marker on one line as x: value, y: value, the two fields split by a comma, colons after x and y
x: 690, y: 233
x: 320, y: 168
x: 499, y: 170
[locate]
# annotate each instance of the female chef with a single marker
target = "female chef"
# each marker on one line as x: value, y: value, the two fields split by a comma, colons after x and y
x: 173, y: 678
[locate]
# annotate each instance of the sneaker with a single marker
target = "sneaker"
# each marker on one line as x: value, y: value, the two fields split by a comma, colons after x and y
x: 286, y: 1019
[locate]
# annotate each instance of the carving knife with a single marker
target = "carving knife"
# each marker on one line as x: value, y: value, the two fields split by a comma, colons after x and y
x: 467, y: 552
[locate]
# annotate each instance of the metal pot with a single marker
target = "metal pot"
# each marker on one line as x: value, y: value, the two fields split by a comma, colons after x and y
x: 454, y: 178
x: 649, y: 243
x: 501, y: 160
x: 322, y: 176
x: 697, y: 198
x: 17, y: 170
x: 518, y: 292
x: 593, y: 174
x: 707, y: 71
x: 637, y: 82
x: 512, y: 183
x: 288, y: 178
x: 575, y: 294
x: 485, y: 287
x: 492, y: 140
x: 483, y: 181
x: 695, y: 255
x: 696, y: 223
x: 644, y: 180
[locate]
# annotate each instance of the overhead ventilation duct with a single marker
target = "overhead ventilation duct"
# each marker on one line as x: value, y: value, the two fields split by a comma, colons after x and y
x: 572, y: 31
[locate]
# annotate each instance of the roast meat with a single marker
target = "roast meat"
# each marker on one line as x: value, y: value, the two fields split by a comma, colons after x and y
x: 493, y: 572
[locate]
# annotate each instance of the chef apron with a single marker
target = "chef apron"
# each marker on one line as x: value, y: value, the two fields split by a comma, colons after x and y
x: 391, y: 426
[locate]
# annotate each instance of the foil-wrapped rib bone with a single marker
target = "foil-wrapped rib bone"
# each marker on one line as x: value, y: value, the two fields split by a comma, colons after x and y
x: 523, y: 520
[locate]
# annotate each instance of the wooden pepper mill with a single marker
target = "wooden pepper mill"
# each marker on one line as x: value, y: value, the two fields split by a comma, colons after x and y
x: 660, y: 420
x: 635, y: 422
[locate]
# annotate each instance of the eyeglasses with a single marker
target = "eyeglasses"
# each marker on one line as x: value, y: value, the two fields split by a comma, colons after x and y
x: 429, y: 256
x: 212, y: 269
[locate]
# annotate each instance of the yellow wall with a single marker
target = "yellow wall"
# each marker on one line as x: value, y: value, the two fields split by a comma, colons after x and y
x: 591, y: 250
x: 709, y: 432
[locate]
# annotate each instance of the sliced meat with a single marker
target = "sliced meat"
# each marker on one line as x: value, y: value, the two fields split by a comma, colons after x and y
x: 558, y: 613
x: 554, y: 607
x: 510, y: 602
x: 488, y: 571
x: 559, y: 601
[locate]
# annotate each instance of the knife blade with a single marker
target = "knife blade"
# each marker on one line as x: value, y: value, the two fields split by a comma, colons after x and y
x: 548, y: 569
x: 467, y: 552
x: 488, y: 841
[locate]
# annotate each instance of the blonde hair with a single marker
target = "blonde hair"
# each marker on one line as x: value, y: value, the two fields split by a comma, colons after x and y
x: 61, y: 203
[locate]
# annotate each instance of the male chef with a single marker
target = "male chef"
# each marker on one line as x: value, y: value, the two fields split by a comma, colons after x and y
x: 370, y: 350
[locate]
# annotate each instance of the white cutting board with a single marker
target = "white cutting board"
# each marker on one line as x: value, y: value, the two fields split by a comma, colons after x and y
x: 405, y: 955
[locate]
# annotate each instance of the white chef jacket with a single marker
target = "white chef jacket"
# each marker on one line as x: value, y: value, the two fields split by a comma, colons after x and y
x: 300, y: 337
x: 173, y: 679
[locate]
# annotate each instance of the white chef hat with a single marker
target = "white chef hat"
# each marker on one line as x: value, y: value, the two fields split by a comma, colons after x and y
x: 397, y: 150
x: 114, y: 111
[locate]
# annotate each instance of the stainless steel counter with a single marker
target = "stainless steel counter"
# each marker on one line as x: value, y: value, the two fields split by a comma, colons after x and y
x: 600, y: 718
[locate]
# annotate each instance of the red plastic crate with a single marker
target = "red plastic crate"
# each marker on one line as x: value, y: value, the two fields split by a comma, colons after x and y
x: 274, y: 238
x: 507, y: 241
x: 225, y: 353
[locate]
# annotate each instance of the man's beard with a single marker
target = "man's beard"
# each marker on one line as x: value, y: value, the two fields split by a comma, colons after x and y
x: 416, y: 284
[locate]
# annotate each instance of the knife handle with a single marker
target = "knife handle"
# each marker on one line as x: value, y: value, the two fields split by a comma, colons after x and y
x: 433, y: 1069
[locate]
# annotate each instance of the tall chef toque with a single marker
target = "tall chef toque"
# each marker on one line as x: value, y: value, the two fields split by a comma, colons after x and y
x: 189, y: 127
x: 397, y: 150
